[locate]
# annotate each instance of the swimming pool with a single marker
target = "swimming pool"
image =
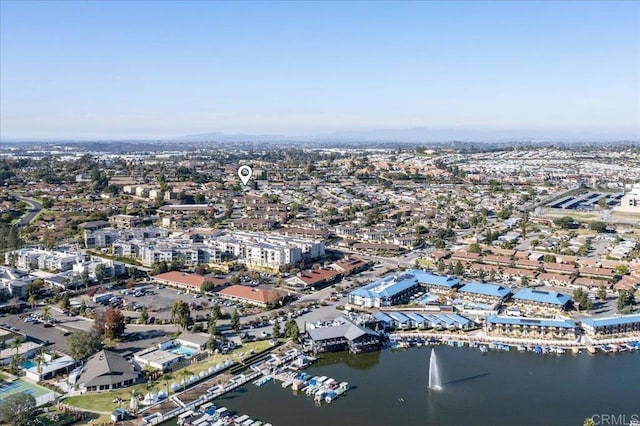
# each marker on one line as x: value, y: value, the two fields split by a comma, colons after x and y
x: 428, y: 298
x: 183, y: 350
x: 28, y: 364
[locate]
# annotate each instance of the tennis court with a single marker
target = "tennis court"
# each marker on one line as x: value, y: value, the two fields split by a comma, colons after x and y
x: 22, y: 386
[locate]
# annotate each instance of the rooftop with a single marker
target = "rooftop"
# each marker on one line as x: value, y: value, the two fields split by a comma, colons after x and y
x: 541, y: 322
x: 541, y: 296
x: 486, y: 289
x: 604, y: 322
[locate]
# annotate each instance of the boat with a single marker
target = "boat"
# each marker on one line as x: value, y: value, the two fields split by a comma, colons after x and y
x: 286, y: 384
x: 537, y: 349
x: 330, y: 396
x: 522, y: 348
x: 560, y: 351
x: 591, y: 349
x: 605, y: 348
x: 484, y: 349
x: 576, y: 350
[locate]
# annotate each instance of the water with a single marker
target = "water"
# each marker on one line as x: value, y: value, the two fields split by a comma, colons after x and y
x: 183, y: 350
x: 28, y: 364
x: 494, y: 389
x: 435, y: 381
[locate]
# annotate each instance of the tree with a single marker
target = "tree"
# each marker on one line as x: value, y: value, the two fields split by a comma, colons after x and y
x: 84, y: 277
x: 144, y: 315
x: 114, y: 323
x: 474, y: 248
x: 291, y: 330
x: 212, y: 328
x: 602, y: 294
x: 598, y: 226
x: 180, y: 314
x: 64, y: 302
x: 458, y: 269
x: 625, y: 298
x: 581, y: 298
x: 275, y: 331
x: 99, y: 323
x: 46, y: 312
x: 18, y: 409
x: 83, y: 307
x: 216, y: 313
x: 564, y: 222
x: 101, y: 273
x: 206, y: 286
x: 622, y: 269
x: 32, y: 301
x: 82, y: 344
x: 235, y: 320
x: 549, y: 258
x: 39, y: 361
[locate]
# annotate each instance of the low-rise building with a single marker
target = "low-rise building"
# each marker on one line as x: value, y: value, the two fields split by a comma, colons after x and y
x: 611, y: 325
x: 253, y: 296
x: 528, y: 298
x: 340, y: 335
x: 387, y: 291
x: 107, y: 370
x: 484, y: 293
x: 532, y: 327
x: 435, y: 283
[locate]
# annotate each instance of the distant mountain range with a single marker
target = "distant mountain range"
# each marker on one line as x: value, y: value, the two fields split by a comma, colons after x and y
x: 422, y: 134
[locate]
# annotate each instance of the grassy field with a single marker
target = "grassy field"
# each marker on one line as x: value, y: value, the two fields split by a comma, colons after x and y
x: 103, y: 401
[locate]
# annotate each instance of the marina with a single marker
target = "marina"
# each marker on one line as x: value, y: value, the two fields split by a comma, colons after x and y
x: 407, y: 340
x: 393, y: 388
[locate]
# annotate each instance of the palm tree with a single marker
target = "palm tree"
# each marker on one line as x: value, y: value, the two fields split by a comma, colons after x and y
x: 185, y: 373
x: 32, y: 301
x: 46, y: 312
x: 17, y: 359
x: 39, y: 360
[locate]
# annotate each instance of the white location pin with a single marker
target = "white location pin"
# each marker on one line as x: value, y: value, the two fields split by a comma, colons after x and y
x: 244, y: 173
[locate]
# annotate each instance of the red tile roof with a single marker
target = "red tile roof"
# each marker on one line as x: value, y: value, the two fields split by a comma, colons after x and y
x: 188, y: 279
x: 252, y: 294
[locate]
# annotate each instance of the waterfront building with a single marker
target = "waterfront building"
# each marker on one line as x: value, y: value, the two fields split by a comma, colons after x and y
x: 528, y: 298
x: 340, y: 335
x: 387, y: 291
x: 484, y: 293
x: 530, y: 327
x: 108, y: 370
x: 611, y: 325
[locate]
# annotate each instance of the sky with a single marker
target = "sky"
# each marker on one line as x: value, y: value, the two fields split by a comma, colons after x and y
x: 142, y: 69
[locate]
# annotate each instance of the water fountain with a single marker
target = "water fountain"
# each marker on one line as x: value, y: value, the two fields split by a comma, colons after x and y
x: 435, y: 381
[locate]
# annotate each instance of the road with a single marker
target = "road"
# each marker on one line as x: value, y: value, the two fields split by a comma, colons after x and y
x: 36, y: 208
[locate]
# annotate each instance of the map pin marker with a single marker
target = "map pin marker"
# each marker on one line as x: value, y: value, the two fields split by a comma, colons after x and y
x: 244, y: 173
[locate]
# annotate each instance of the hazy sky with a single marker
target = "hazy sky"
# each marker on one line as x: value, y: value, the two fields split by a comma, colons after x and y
x: 158, y: 69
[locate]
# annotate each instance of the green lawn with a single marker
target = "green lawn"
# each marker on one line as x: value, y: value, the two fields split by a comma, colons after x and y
x: 103, y: 401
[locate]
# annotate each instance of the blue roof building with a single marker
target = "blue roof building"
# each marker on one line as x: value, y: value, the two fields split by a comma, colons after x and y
x: 549, y: 299
x: 385, y: 292
x: 400, y: 320
x: 612, y: 325
x: 531, y: 326
x: 484, y: 292
x: 435, y: 282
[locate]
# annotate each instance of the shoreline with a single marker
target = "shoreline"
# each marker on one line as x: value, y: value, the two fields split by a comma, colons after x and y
x: 514, y: 341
